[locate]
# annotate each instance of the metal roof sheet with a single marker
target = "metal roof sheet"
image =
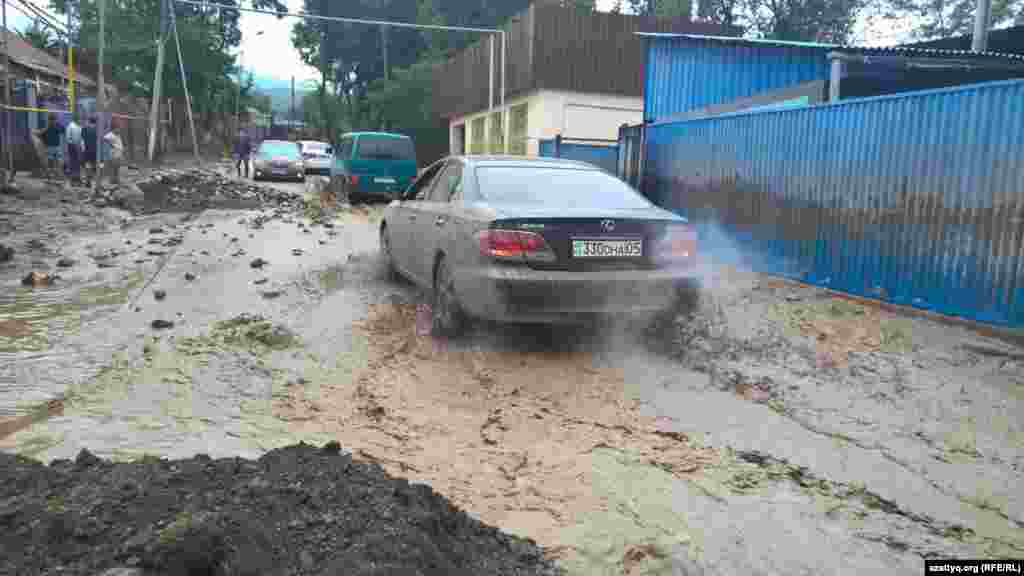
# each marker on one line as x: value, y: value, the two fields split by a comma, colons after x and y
x: 869, y: 50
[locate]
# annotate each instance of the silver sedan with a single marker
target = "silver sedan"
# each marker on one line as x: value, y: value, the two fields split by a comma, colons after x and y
x: 317, y: 157
x: 278, y: 159
x: 535, y: 241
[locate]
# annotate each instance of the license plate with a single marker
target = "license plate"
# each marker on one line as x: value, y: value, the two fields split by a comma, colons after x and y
x: 281, y: 171
x: 384, y: 180
x: 607, y: 248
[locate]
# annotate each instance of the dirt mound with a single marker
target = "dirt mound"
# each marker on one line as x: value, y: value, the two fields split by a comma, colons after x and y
x: 296, y: 510
x: 197, y: 189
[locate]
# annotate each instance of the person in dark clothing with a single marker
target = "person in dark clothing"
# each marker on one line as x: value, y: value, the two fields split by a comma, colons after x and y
x: 53, y: 138
x: 243, y: 149
x: 89, y: 139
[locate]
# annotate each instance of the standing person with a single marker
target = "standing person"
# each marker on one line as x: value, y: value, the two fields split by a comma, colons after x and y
x: 52, y: 137
x: 243, y: 149
x: 73, y: 137
x: 113, y: 140
x: 89, y: 158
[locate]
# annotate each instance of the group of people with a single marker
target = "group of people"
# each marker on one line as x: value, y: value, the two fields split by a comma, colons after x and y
x: 71, y: 148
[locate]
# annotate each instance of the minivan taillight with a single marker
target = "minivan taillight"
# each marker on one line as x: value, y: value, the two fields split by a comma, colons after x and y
x: 515, y: 246
x: 678, y: 246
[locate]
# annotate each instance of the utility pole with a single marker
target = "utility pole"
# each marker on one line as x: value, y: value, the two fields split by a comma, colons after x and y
x: 291, y: 108
x: 101, y: 99
x: 323, y: 73
x: 8, y: 136
x: 982, y: 16
x: 184, y: 85
x: 71, y: 66
x: 384, y: 47
x: 158, y: 80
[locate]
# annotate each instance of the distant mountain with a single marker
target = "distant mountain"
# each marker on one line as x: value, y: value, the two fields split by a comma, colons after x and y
x: 280, y: 92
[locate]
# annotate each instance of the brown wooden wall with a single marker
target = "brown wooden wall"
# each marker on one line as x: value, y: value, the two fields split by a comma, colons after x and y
x: 555, y: 48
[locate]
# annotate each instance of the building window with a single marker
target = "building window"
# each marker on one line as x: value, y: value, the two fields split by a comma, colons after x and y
x: 517, y: 140
x: 497, y: 139
x: 479, y: 145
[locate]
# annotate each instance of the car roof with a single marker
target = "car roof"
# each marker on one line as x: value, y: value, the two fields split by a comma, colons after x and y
x: 277, y: 142
x: 313, y: 142
x: 524, y: 161
x: 384, y: 134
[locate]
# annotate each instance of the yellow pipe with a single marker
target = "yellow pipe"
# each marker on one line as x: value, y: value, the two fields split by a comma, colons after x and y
x: 71, y: 78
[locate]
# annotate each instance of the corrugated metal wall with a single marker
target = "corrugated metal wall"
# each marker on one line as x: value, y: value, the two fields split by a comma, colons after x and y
x: 684, y: 74
x: 917, y: 199
x: 606, y: 157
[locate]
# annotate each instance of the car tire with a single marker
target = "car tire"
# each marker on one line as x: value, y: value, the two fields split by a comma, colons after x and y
x: 391, y: 273
x: 447, y: 318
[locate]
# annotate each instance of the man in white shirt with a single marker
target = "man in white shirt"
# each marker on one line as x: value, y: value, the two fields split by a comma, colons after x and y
x: 116, y: 146
x: 76, y: 147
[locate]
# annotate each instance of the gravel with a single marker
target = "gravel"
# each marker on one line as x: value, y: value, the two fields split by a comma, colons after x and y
x: 191, y: 190
x: 296, y: 510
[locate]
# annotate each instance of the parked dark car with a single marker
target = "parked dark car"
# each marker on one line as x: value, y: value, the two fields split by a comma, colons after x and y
x: 535, y: 241
x: 278, y: 159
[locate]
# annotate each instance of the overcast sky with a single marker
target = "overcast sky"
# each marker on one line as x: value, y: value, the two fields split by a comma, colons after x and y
x: 271, y: 54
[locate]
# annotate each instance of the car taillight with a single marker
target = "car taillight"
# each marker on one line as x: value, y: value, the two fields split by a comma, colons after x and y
x: 515, y: 246
x: 679, y: 245
x: 353, y: 180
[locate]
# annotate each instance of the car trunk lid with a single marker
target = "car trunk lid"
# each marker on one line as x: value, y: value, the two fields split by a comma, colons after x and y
x: 605, y: 241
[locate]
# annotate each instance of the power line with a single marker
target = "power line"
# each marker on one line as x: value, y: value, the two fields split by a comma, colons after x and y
x: 41, y: 16
x: 305, y: 15
x: 36, y: 18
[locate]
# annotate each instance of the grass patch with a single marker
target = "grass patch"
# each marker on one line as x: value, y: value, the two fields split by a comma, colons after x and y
x: 244, y: 332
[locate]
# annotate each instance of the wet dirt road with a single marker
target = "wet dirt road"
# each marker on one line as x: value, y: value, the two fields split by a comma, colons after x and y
x: 778, y: 431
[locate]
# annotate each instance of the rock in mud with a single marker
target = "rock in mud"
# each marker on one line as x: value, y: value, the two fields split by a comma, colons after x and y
x: 38, y: 280
x: 260, y: 281
x: 65, y: 263
x: 271, y: 294
x: 258, y: 263
x: 162, y: 324
x: 297, y: 252
x: 190, y: 276
x: 159, y: 294
x: 6, y: 253
x: 295, y: 510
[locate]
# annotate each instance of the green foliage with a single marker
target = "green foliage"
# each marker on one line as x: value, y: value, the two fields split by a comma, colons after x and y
x: 943, y: 18
x: 41, y: 36
x: 132, y: 28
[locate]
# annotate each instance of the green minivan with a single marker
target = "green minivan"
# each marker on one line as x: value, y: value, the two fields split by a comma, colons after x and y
x: 371, y: 165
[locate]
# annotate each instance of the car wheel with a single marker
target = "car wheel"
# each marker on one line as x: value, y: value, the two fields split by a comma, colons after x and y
x: 386, y: 254
x: 448, y: 319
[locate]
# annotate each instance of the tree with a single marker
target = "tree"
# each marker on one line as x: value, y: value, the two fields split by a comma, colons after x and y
x: 207, y: 35
x: 665, y: 8
x: 40, y: 36
x: 795, y: 20
x: 944, y: 18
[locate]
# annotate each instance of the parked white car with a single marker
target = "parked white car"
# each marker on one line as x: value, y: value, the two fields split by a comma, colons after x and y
x: 317, y: 157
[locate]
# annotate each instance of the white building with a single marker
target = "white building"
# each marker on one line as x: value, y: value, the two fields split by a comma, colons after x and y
x: 568, y: 73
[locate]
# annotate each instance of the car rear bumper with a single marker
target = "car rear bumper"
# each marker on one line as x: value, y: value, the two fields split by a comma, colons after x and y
x: 271, y: 173
x: 513, y: 294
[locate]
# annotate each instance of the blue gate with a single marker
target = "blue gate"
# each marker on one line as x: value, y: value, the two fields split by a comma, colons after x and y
x: 601, y: 153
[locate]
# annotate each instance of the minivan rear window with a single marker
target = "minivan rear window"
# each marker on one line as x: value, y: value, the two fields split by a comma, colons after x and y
x: 371, y: 148
x: 287, y: 149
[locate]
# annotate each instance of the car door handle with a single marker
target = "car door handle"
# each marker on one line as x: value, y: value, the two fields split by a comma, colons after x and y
x: 440, y: 221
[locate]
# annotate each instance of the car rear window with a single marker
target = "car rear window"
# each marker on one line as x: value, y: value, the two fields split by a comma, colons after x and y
x: 286, y: 149
x: 315, y: 147
x: 371, y: 148
x: 555, y: 187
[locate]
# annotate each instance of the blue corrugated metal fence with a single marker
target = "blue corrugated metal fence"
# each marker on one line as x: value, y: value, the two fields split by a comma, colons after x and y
x: 606, y: 157
x: 917, y: 199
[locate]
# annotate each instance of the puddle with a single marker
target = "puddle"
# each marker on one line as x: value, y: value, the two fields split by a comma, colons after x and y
x: 35, y: 315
